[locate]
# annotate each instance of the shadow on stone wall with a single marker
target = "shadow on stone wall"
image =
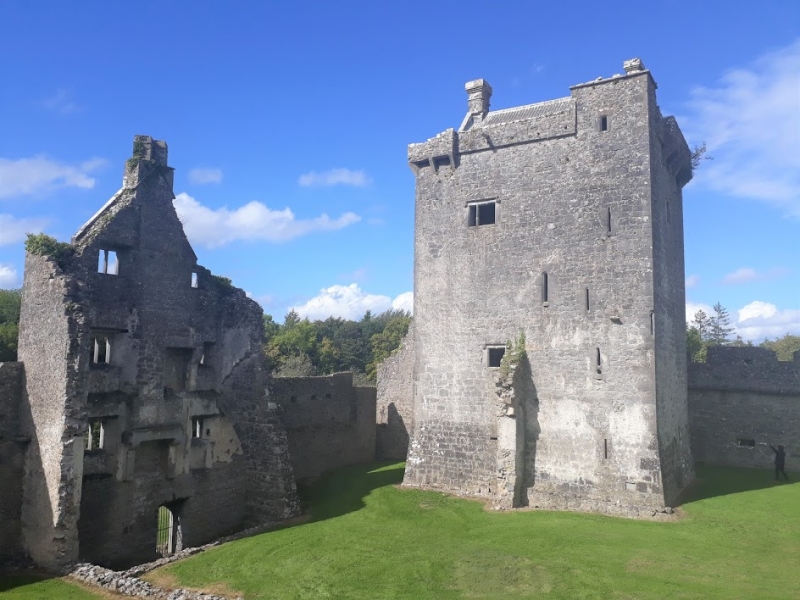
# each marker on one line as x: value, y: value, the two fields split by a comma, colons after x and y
x: 528, y: 427
x: 392, y: 435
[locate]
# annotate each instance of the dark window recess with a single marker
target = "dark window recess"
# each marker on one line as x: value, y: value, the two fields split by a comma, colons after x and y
x: 598, y: 362
x: 441, y: 161
x: 605, y: 448
x: 587, y: 298
x: 495, y: 356
x: 481, y: 214
x: 545, y: 287
x: 603, y: 123
x: 746, y: 443
x: 608, y: 220
x: 207, y: 355
x: 652, y: 323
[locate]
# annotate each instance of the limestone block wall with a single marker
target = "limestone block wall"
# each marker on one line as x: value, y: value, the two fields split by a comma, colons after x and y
x: 573, y: 214
x: 13, y: 442
x: 395, y: 401
x: 740, y: 401
x: 329, y: 422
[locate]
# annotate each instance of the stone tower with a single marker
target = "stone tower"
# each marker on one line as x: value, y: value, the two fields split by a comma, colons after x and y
x: 562, y: 221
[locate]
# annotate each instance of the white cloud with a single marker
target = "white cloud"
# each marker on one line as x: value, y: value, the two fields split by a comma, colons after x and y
x: 348, y: 302
x: 61, y: 102
x: 27, y: 176
x: 13, y: 230
x: 751, y: 121
x: 202, y: 176
x: 334, y: 177
x: 692, y: 281
x: 8, y: 277
x: 252, y: 222
x: 758, y: 320
x: 404, y: 302
x: 747, y: 274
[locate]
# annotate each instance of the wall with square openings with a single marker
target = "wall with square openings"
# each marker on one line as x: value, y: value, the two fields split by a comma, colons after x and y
x: 741, y: 400
x: 576, y: 253
x: 146, y: 387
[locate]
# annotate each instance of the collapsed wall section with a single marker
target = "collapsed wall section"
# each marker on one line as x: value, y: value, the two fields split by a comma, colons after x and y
x: 741, y: 400
x: 329, y: 422
x: 395, y: 401
x: 13, y: 442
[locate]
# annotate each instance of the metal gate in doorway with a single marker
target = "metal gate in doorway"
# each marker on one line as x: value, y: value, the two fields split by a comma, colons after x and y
x: 165, y: 542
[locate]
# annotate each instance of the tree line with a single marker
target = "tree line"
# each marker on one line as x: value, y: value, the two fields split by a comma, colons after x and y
x: 716, y: 330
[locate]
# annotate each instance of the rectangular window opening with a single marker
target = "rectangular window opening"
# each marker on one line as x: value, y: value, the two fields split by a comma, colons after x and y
x: 603, y: 122
x: 586, y: 299
x: 95, y: 435
x: 495, y: 356
x: 598, y: 362
x: 652, y: 323
x: 481, y: 213
x: 197, y: 427
x: 608, y: 220
x: 746, y: 443
x: 194, y: 279
x: 107, y: 262
x: 545, y: 287
x: 101, y: 352
x: 605, y: 448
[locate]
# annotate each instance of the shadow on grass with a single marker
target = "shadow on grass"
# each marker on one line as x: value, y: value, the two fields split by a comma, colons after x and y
x: 9, y: 582
x: 713, y: 481
x: 344, y: 490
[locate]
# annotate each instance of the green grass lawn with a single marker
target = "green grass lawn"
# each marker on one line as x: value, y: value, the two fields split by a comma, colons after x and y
x: 740, y: 538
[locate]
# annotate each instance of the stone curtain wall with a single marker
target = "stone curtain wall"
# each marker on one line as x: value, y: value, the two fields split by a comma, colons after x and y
x: 745, y: 394
x: 329, y: 422
x: 395, y: 404
x: 12, y: 458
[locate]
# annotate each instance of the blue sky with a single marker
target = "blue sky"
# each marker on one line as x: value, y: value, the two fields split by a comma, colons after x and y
x: 288, y: 124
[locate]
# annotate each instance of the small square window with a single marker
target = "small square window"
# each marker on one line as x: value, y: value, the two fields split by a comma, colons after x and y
x: 482, y: 213
x: 95, y: 435
x: 494, y: 356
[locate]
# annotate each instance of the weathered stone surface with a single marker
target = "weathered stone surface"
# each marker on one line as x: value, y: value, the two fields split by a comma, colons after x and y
x: 741, y: 396
x: 13, y: 442
x: 131, y: 335
x: 395, y: 409
x: 587, y: 189
x: 329, y: 422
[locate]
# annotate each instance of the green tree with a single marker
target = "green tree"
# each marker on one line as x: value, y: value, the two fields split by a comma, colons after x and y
x: 386, y: 342
x: 784, y: 347
x: 9, y: 324
x: 719, y: 326
x: 298, y: 365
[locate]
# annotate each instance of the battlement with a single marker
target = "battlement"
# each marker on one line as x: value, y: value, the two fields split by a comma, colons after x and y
x: 746, y: 369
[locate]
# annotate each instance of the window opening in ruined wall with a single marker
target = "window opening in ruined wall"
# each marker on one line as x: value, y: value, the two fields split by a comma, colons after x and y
x: 194, y: 280
x: 107, y: 262
x: 598, y: 362
x: 494, y: 356
x: 586, y: 292
x: 197, y: 427
x: 608, y: 221
x: 95, y: 435
x: 545, y: 288
x: 603, y: 122
x: 482, y: 213
x: 605, y: 448
x: 101, y: 350
x: 746, y: 443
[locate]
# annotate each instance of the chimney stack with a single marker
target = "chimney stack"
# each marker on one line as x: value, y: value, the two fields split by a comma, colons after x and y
x: 479, y: 92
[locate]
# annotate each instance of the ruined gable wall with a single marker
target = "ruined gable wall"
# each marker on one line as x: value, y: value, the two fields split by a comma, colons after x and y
x: 53, y: 345
x: 476, y: 286
x: 395, y: 404
x: 12, y: 458
x: 329, y: 422
x: 744, y: 394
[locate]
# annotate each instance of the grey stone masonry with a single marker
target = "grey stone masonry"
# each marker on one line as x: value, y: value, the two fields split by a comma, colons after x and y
x: 741, y: 400
x: 395, y: 410
x: 561, y: 220
x: 146, y: 389
x: 13, y: 442
x: 330, y: 423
